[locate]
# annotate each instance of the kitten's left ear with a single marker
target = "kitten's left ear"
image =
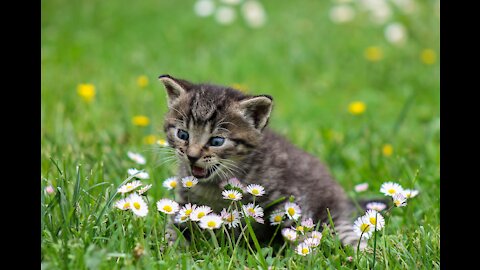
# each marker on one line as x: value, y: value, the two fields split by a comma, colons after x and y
x: 175, y: 88
x: 257, y: 109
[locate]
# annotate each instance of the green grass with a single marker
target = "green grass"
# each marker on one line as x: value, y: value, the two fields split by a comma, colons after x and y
x: 312, y: 67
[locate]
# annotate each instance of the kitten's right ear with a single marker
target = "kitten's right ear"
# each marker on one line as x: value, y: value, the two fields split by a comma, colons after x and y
x: 175, y: 88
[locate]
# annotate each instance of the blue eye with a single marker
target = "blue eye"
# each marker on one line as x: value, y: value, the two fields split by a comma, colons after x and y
x: 217, y: 141
x: 182, y: 134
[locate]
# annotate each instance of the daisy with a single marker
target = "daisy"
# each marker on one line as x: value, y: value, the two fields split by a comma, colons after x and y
x: 254, y: 14
x: 341, y: 13
x: 375, y: 217
x: 204, y: 8
x: 129, y: 187
x: 138, y: 205
x: 184, y: 213
x: 362, y: 227
x: 308, y: 223
x: 144, y: 189
x: 86, y: 91
x: 200, y: 212
x: 123, y: 204
x: 276, y: 217
x: 378, y: 206
x: 170, y: 183
x: 231, y: 219
x: 253, y: 210
x: 168, y: 206
x: 255, y: 190
x: 225, y: 15
x: 312, y: 242
x: 292, y: 210
x: 399, y: 200
x: 211, y: 221
x: 410, y: 193
x: 231, y: 195
x: 361, y: 187
x: 49, y: 189
x: 162, y: 143
x: 289, y: 234
x: 316, y: 235
x: 138, y: 174
x: 233, y: 183
x: 299, y: 229
x: 189, y: 181
x: 303, y: 249
x: 390, y: 188
x: 137, y: 158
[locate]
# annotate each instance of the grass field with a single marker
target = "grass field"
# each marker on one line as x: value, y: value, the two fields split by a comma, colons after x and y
x: 312, y: 66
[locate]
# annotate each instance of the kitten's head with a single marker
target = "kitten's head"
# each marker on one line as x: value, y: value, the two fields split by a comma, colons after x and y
x: 213, y: 128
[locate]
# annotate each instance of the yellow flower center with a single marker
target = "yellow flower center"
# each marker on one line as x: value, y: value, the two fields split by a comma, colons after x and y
x: 391, y: 191
x: 304, y: 250
x: 255, y: 191
x: 183, y: 218
x: 230, y: 218
x: 231, y: 196
x: 251, y: 210
x: 291, y: 211
x: 167, y: 208
x: 373, y: 220
x: 126, y: 205
x: 397, y: 202
x: 136, y: 205
x: 365, y: 227
x: 189, y: 184
x: 211, y: 224
x: 300, y: 228
x: 357, y: 107
x: 173, y: 184
x: 277, y: 218
x: 129, y: 187
x: 201, y: 214
x: 188, y: 211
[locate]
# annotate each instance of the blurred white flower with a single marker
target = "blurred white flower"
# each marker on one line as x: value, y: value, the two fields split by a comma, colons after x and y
x: 378, y: 206
x: 254, y: 13
x: 289, y: 234
x: 225, y: 15
x: 361, y: 187
x: 232, y: 219
x: 406, y: 6
x: 204, y: 8
x: 170, y: 183
x: 312, y: 242
x: 144, y: 189
x: 200, y: 212
x: 138, y: 174
x: 396, y: 33
x: 137, y: 158
x: 189, y: 181
x: 231, y: 2
x: 410, y: 193
x: 379, y: 10
x: 128, y: 187
x: 363, y: 228
x: 342, y: 13
x: 49, y: 189
x: 256, y: 190
x: 303, y: 249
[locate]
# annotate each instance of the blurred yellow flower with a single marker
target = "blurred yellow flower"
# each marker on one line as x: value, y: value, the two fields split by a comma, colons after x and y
x: 86, y: 91
x: 140, y: 120
x: 149, y: 139
x: 428, y: 57
x: 241, y: 87
x: 373, y: 53
x: 387, y: 150
x: 142, y: 81
x: 357, y: 107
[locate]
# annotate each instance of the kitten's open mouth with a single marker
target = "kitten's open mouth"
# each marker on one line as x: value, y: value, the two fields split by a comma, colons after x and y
x: 200, y: 172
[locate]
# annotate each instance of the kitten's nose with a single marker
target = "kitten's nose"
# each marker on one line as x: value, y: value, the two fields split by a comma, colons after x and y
x: 193, y: 158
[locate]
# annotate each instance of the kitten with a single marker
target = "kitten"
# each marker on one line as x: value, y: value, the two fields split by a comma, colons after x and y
x: 220, y: 133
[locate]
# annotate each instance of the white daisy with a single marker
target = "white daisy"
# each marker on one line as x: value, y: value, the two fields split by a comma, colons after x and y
x: 410, y: 193
x: 378, y: 206
x: 316, y: 235
x: 137, y: 158
x: 308, y: 223
x: 232, y: 194
x: 399, y: 200
x: 390, y: 188
x: 255, y: 190
x: 375, y: 217
x: 292, y: 210
x: 168, y: 206
x: 276, y: 217
x: 200, y: 212
x: 138, y: 205
x: 299, y: 229
x: 231, y: 2
x: 128, y: 187
x: 211, y: 221
x: 254, y: 13
x: 253, y: 210
x: 170, y: 183
x: 138, y: 174
x: 123, y: 204
x: 232, y: 219
x: 232, y: 183
x: 204, y: 8
x: 395, y: 33
x: 289, y: 234
x: 144, y: 189
x: 303, y: 249
x: 312, y: 242
x: 342, y: 13
x: 185, y: 211
x: 362, y: 227
x: 361, y: 187
x: 225, y: 15
x: 189, y: 181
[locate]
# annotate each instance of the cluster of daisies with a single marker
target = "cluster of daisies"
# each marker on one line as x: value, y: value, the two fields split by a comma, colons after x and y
x: 373, y: 221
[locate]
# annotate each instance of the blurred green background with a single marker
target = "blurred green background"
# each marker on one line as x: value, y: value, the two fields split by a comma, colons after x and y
x: 314, y: 57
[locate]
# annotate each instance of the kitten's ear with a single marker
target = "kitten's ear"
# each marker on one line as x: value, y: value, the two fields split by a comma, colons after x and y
x: 257, y: 110
x: 175, y: 88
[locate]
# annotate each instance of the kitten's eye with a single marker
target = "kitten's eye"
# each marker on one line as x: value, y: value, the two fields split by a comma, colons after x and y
x: 217, y: 141
x: 182, y: 134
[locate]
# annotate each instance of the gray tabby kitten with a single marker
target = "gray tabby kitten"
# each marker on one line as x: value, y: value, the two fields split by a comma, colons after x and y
x: 219, y: 133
